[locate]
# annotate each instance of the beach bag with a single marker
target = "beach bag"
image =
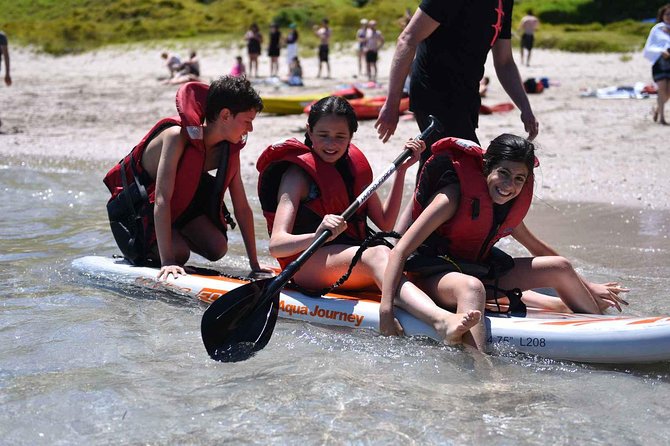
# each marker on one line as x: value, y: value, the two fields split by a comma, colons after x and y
x: 531, y: 86
x: 127, y: 212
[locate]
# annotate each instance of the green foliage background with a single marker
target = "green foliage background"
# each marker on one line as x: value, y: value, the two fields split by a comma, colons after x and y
x: 67, y: 26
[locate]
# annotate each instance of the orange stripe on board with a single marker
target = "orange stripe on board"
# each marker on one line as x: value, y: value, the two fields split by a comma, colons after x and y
x: 651, y: 320
x: 222, y: 278
x: 581, y: 322
x: 209, y: 295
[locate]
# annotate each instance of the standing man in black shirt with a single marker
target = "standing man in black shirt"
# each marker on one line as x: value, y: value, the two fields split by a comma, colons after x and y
x: 451, y: 41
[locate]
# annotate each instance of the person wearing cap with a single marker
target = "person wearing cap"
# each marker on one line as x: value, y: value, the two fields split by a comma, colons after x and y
x: 361, y: 38
x: 291, y: 45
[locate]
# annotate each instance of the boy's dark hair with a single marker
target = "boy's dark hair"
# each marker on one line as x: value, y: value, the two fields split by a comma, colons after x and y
x: 507, y: 147
x: 233, y: 93
x: 331, y: 105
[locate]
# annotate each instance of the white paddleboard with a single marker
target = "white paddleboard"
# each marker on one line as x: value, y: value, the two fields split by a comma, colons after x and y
x: 612, y: 339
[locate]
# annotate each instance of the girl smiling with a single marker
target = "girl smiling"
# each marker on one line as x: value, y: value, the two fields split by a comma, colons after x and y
x: 465, y: 201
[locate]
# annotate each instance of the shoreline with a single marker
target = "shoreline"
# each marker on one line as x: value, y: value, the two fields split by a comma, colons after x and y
x: 590, y: 150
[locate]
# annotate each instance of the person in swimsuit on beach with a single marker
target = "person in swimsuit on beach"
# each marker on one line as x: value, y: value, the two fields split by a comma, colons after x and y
x: 528, y: 25
x: 657, y: 51
x: 303, y: 187
x: 323, y: 33
x: 274, y: 50
x: 238, y: 69
x: 254, y: 39
x: 4, y: 55
x: 465, y: 201
x: 361, y: 34
x: 373, y: 43
x: 291, y: 45
x: 173, y: 64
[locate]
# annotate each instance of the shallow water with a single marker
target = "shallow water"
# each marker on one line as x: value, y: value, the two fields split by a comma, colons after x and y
x: 89, y: 362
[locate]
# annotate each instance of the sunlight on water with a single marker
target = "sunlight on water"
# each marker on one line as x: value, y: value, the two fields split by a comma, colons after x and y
x: 92, y: 359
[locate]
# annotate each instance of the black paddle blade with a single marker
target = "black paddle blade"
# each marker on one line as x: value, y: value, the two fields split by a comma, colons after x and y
x: 240, y: 322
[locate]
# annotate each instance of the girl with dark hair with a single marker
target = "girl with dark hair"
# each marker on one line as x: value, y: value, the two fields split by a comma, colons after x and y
x: 465, y: 201
x: 303, y: 189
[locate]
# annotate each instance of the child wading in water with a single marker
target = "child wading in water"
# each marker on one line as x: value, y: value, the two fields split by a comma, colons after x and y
x: 304, y: 187
x: 465, y: 201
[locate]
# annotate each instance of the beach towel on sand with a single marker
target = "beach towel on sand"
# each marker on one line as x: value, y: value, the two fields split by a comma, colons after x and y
x: 638, y: 91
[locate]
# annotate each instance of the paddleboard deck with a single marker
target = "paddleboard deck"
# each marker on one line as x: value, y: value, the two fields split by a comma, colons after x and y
x: 607, y: 339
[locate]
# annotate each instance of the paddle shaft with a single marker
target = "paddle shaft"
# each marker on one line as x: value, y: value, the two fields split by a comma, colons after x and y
x: 293, y: 267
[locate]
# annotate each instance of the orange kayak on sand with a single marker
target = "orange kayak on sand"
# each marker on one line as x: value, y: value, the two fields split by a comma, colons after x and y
x: 369, y: 108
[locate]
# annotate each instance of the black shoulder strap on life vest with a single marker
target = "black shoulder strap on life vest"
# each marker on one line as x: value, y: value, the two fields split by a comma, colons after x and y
x: 217, y: 203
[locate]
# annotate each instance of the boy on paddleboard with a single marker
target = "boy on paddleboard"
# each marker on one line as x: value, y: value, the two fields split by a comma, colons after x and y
x: 164, y: 202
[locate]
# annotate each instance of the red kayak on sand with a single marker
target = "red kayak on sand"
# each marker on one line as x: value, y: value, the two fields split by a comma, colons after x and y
x: 498, y: 108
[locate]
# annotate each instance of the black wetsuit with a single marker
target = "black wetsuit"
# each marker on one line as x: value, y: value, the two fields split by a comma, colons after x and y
x: 450, y: 63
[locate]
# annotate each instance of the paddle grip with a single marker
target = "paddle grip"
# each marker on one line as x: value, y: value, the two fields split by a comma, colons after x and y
x: 435, y: 126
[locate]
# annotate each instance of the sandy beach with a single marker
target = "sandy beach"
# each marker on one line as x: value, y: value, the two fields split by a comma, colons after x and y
x: 97, y: 105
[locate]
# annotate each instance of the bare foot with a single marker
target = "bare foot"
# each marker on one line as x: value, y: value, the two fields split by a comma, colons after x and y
x: 655, y: 114
x: 454, y: 326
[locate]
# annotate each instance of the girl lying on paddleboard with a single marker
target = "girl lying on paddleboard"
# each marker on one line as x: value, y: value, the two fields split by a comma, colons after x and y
x: 467, y: 199
x: 303, y: 189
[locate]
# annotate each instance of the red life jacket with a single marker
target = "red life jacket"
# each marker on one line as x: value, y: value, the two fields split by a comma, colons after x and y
x: 334, y: 196
x: 191, y: 100
x: 471, y: 232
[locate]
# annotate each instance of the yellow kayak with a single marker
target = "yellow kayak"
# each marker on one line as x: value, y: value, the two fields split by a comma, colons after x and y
x: 295, y: 104
x: 289, y: 105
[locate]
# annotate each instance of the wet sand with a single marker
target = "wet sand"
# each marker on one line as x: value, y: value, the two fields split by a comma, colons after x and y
x: 97, y: 105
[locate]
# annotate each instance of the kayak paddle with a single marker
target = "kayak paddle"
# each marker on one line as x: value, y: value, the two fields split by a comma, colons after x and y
x: 241, y: 322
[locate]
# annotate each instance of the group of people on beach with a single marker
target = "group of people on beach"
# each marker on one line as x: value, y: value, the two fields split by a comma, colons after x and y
x: 443, y: 269
x: 254, y: 41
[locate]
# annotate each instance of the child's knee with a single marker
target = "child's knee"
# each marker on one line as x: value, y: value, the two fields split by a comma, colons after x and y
x: 561, y: 265
x: 215, y: 249
x: 472, y: 287
x: 377, y: 255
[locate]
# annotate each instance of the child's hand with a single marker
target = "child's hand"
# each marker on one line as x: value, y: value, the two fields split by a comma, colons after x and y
x: 260, y: 271
x: 417, y: 146
x: 166, y: 270
x: 334, y: 223
x: 607, y: 294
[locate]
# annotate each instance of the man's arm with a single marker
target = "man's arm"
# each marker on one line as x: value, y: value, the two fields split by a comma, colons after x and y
x: 419, y: 28
x: 509, y: 77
